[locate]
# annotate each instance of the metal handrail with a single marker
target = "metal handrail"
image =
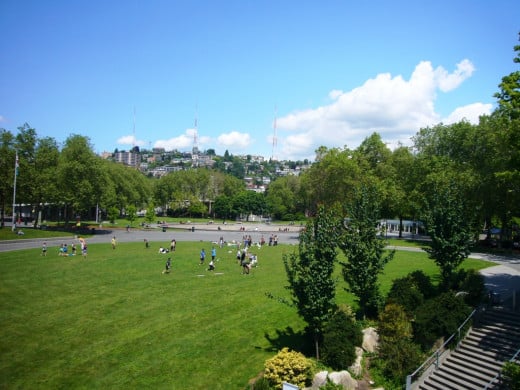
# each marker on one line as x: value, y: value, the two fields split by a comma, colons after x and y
x: 517, y: 353
x: 434, y: 358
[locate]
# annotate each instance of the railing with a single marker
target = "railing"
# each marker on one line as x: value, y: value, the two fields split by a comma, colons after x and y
x: 497, y: 376
x: 435, y: 357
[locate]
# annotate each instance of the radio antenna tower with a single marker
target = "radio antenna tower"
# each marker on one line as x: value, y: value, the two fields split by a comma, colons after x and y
x: 275, y: 140
x: 133, y: 133
x: 195, y: 150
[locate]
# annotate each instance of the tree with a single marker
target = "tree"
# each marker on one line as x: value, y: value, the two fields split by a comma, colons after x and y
x: 397, y: 352
x: 7, y: 163
x: 81, y: 178
x: 284, y: 198
x: 363, y: 250
x: 223, y: 207
x: 45, y: 163
x: 509, y: 95
x: 131, y: 214
x: 309, y: 272
x: 401, y: 183
x: 331, y: 180
x: 449, y: 228
x: 150, y: 213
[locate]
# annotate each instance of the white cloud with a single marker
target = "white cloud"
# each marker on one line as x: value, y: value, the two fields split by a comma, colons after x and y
x: 235, y: 141
x: 184, y: 141
x: 2, y: 119
x: 471, y: 113
x: 392, y: 106
x: 130, y: 140
x: 448, y: 82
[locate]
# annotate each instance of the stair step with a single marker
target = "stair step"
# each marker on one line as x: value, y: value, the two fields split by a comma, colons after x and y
x: 440, y: 383
x: 493, y: 339
x: 474, y: 350
x: 431, y: 386
x: 450, y: 382
x: 473, y: 378
x: 470, y: 363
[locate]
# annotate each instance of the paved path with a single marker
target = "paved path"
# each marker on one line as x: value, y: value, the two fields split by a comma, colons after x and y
x: 205, y: 233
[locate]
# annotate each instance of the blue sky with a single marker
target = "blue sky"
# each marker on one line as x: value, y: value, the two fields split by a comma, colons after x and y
x: 330, y: 72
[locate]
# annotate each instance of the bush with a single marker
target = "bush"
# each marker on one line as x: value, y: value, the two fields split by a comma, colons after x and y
x: 331, y: 385
x: 289, y: 366
x: 341, y: 335
x: 471, y: 282
x: 424, y: 284
x: 405, y: 293
x: 398, y: 355
x: 511, y: 375
x: 438, y: 317
x: 398, y: 358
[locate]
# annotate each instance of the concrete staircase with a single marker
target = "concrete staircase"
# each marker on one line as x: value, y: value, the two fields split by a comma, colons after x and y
x: 492, y: 341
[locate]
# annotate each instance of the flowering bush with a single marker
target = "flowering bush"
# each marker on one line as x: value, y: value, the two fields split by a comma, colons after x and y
x: 289, y: 366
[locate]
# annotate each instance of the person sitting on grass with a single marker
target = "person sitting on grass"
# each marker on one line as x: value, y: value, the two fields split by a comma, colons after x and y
x: 168, y: 266
x: 163, y: 250
x: 63, y: 250
x: 211, y: 265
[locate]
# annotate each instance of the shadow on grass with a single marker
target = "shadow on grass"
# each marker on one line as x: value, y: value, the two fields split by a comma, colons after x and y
x: 296, y: 341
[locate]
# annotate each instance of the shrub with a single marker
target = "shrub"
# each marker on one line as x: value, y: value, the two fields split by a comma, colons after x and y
x: 405, y: 293
x: 472, y: 283
x: 331, y: 385
x: 289, y: 366
x: 424, y: 284
x: 398, y: 355
x: 398, y: 358
x: 438, y: 317
x: 511, y: 375
x: 341, y: 335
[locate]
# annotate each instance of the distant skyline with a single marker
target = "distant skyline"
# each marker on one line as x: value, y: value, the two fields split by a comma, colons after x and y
x: 328, y: 73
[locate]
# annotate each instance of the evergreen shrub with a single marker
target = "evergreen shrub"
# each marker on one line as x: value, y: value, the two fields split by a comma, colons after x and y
x: 341, y: 335
x: 289, y: 366
x: 439, y: 317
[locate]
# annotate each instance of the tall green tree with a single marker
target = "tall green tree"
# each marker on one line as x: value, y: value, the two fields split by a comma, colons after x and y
x: 25, y: 144
x: 509, y: 94
x: 449, y: 226
x: 331, y: 180
x: 401, y: 182
x: 284, y: 197
x: 309, y: 272
x: 7, y: 163
x: 80, y: 176
x: 45, y: 166
x: 364, y: 251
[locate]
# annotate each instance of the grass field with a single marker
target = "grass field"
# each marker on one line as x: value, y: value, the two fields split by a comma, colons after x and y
x: 115, y: 321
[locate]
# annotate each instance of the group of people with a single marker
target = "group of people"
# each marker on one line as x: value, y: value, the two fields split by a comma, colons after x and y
x: 63, y: 250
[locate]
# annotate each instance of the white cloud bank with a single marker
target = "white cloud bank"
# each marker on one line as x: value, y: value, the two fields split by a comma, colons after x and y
x: 130, y: 140
x: 391, y: 106
x: 184, y: 141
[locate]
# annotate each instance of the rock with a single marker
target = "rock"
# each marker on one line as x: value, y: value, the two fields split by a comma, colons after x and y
x: 343, y: 378
x: 356, y: 368
x: 320, y: 379
x: 370, y: 339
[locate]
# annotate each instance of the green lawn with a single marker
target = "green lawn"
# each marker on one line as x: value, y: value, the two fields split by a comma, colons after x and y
x: 28, y: 232
x: 115, y: 321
